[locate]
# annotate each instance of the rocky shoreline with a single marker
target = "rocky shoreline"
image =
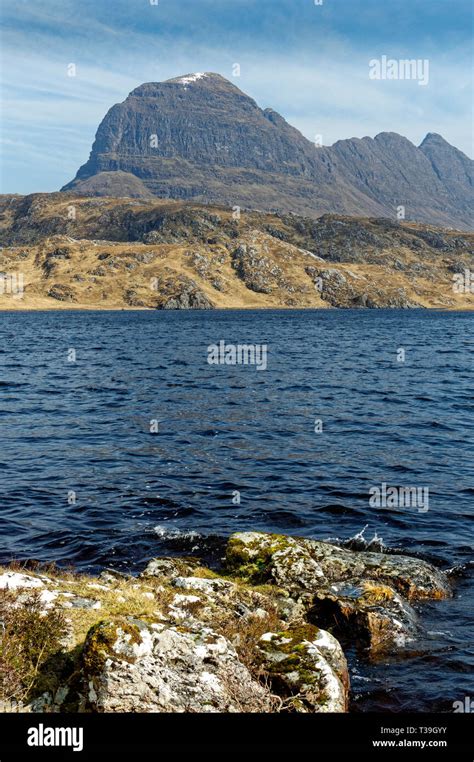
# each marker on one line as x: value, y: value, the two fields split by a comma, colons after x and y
x: 263, y: 633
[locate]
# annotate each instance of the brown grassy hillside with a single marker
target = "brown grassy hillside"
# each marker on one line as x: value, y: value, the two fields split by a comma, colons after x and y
x: 108, y: 253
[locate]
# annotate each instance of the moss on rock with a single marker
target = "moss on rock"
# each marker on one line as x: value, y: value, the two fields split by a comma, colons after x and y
x: 249, y: 555
x: 101, y: 643
x: 306, y: 668
x: 268, y: 614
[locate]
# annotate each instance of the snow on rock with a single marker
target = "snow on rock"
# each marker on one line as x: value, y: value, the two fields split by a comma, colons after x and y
x: 191, y: 78
x: 47, y: 597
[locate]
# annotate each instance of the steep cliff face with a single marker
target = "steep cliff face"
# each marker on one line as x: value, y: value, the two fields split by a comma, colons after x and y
x: 454, y: 170
x: 200, y: 137
x: 206, y: 121
x: 432, y: 182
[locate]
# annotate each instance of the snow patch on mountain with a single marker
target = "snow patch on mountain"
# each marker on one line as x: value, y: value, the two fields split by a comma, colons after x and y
x: 191, y: 78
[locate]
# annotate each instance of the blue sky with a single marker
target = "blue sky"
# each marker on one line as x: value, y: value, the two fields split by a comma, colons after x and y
x: 309, y: 62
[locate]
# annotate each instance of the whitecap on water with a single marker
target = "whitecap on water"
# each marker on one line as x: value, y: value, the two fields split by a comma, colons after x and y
x: 167, y: 533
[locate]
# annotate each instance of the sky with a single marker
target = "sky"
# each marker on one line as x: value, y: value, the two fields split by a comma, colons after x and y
x: 309, y: 60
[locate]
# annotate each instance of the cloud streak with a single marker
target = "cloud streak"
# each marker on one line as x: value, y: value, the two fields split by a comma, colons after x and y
x: 309, y: 63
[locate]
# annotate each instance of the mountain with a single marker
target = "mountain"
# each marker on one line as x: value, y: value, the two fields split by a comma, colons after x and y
x: 199, y: 137
x: 160, y: 254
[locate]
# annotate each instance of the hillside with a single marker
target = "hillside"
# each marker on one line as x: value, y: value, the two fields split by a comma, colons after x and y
x: 137, y: 253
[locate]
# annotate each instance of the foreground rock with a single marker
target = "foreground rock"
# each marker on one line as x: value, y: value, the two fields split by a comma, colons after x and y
x: 309, y: 667
x: 132, y: 666
x: 362, y: 596
x: 379, y: 619
x: 262, y: 635
x: 299, y: 564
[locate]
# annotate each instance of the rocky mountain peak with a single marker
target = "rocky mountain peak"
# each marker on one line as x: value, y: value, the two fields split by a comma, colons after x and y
x: 197, y: 82
x: 198, y: 136
x: 434, y: 139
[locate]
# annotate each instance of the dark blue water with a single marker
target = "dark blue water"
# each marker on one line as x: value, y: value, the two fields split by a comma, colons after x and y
x: 83, y: 427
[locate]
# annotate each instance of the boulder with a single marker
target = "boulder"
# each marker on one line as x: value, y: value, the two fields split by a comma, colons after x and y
x: 299, y: 564
x: 307, y: 667
x: 132, y: 666
x: 169, y: 567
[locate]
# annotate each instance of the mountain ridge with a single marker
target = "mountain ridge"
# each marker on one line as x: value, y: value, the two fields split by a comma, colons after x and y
x: 200, y: 137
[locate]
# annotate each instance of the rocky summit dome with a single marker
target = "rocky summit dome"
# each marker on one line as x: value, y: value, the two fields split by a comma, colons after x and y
x: 198, y: 136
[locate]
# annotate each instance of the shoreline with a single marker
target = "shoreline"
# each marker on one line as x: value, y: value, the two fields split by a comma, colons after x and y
x: 117, y: 255
x: 329, y: 308
x: 265, y: 632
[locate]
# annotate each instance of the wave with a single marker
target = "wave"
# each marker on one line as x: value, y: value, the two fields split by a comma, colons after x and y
x: 164, y: 533
x: 359, y: 542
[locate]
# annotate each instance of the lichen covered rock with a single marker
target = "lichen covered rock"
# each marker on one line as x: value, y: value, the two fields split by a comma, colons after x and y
x: 259, y: 634
x: 308, y: 667
x: 169, y: 567
x: 132, y: 666
x: 299, y: 564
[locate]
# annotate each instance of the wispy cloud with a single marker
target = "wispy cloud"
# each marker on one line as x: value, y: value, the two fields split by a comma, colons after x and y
x: 309, y: 63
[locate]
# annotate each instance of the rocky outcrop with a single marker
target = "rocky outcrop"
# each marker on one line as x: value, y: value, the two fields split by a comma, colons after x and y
x: 180, y: 293
x: 189, y: 298
x: 132, y: 666
x: 62, y: 292
x: 123, y: 253
x: 365, y: 593
x: 305, y: 565
x: 259, y: 273
x: 200, y: 137
x: 264, y: 633
x: 308, y: 666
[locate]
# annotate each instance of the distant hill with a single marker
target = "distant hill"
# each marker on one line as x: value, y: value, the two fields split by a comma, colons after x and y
x: 134, y: 253
x: 199, y: 137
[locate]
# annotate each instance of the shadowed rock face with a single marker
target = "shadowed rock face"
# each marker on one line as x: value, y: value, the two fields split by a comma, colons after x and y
x: 201, y: 137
